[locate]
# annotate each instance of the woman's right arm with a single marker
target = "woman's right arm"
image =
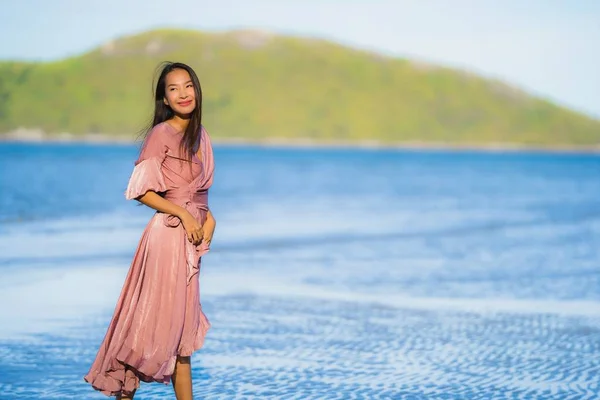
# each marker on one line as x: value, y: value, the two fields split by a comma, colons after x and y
x: 159, y: 203
x: 147, y: 179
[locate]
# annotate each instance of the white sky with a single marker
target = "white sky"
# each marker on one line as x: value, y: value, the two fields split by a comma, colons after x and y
x: 548, y: 47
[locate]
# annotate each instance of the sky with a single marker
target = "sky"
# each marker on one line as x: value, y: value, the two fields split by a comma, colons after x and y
x: 550, y: 48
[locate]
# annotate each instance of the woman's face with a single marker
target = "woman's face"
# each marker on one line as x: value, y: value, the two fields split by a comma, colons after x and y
x: 179, y: 93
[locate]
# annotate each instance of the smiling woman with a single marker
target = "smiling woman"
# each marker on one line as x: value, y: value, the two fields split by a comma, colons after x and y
x: 158, y: 321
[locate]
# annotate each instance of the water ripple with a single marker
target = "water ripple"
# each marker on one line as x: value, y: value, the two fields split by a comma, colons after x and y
x: 288, y: 348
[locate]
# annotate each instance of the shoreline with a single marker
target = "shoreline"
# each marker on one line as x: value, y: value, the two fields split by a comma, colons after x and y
x: 39, y: 137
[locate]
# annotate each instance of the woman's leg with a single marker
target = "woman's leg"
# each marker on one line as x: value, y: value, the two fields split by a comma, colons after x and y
x: 182, y: 379
x: 126, y: 396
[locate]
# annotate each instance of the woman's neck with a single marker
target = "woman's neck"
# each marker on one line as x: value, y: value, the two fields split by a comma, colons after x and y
x: 179, y: 123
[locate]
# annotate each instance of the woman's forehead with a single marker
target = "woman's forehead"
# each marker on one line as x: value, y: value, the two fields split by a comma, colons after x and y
x: 178, y: 76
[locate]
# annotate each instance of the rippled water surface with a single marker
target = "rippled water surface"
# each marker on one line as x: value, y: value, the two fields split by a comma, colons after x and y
x: 334, y: 274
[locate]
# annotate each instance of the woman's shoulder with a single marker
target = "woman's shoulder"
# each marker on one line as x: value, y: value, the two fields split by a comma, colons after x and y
x: 161, y: 129
x: 162, y: 132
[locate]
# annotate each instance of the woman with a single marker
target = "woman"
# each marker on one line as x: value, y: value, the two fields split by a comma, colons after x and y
x: 158, y: 321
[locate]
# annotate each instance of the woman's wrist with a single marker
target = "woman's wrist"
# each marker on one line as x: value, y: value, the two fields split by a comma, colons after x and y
x: 180, y: 213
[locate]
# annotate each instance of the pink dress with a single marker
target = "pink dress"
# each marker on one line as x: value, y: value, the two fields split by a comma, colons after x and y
x: 158, y: 315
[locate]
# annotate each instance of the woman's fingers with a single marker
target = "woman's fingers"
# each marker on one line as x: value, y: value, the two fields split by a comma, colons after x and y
x: 193, y: 235
x: 196, y: 235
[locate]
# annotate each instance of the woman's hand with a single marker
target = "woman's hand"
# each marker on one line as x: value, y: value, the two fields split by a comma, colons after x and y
x: 208, y: 229
x: 192, y: 228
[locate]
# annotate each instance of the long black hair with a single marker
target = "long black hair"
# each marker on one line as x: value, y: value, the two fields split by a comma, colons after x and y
x: 163, y: 112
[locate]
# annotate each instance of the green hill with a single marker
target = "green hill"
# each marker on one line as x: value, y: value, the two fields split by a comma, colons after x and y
x: 258, y: 86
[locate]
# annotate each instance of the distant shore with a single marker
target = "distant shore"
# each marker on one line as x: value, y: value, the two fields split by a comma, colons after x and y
x: 35, y: 136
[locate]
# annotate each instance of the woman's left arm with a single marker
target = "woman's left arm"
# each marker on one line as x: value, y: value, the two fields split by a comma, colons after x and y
x: 208, y: 229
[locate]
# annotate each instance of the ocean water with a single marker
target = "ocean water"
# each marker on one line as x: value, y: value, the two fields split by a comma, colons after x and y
x: 334, y: 273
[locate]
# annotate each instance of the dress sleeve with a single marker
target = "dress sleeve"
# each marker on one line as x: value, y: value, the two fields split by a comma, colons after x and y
x: 147, y: 174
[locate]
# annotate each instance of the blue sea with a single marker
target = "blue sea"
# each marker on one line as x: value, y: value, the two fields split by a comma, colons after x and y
x: 334, y: 273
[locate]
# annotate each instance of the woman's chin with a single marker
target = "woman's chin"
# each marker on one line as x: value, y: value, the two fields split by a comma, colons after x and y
x: 184, y: 114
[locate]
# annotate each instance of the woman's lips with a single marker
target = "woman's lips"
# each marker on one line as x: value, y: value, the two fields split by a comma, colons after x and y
x: 185, y: 103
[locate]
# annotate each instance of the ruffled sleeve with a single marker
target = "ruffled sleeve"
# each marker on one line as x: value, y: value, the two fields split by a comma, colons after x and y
x: 147, y: 174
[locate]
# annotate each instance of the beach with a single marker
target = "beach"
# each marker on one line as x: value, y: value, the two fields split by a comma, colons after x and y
x: 334, y: 273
